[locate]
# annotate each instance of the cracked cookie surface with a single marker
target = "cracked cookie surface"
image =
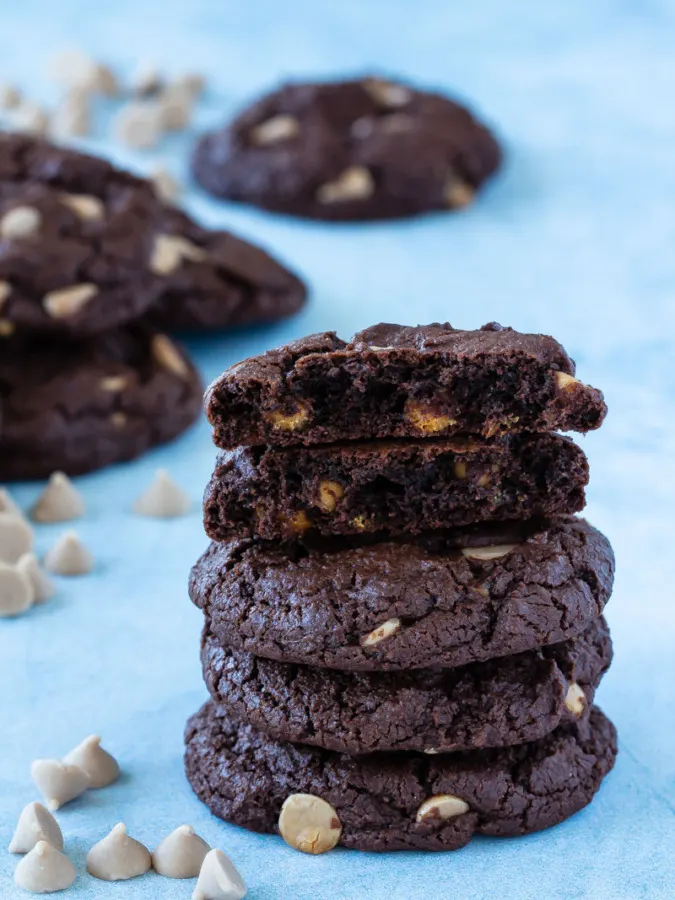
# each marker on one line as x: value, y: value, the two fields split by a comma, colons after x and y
x: 399, y: 605
x: 368, y: 148
x: 497, y: 703
x: 394, y: 487
x: 77, y: 407
x: 382, y: 800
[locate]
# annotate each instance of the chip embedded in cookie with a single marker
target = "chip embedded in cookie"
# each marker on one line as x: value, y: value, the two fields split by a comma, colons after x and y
x: 441, y: 600
x: 78, y: 407
x: 368, y: 148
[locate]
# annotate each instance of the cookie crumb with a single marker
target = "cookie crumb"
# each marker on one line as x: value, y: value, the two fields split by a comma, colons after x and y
x: 164, y: 499
x: 74, y: 69
x: 181, y: 854
x: 59, y: 502
x: 58, y: 782
x: 45, y: 870
x: 42, y: 586
x: 16, y: 592
x: 175, y: 108
x: 146, y: 82
x: 219, y: 879
x: 71, y: 118
x: 69, y: 556
x: 16, y: 537
x: 98, y: 765
x: 118, y: 857
x: 35, y: 824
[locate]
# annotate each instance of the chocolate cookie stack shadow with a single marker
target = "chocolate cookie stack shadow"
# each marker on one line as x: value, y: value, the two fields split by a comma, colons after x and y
x: 403, y: 617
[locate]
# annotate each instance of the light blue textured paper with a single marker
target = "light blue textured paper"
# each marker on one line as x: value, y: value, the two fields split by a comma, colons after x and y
x: 575, y: 238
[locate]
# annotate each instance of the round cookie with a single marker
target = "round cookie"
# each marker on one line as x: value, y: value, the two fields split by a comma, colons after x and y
x: 381, y: 801
x: 368, y: 148
x: 86, y: 247
x: 79, y: 407
x: 217, y: 280
x: 497, y: 703
x: 420, y: 604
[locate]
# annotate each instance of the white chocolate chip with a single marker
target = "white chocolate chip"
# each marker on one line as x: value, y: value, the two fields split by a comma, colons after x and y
x: 113, y: 384
x: 8, y: 505
x: 16, y: 537
x: 219, y: 879
x: 42, y: 586
x: 146, y: 80
x: 9, y: 96
x: 431, y: 751
x: 565, y: 381
x: 69, y: 556
x: 138, y: 125
x: 35, y: 824
x: 575, y: 700
x: 442, y: 806
x: 98, y: 765
x: 20, y: 222
x: 167, y: 356
x: 355, y: 183
x: 362, y: 128
x: 45, y: 870
x: 59, y: 502
x: 163, y: 499
x: 7, y: 328
x: 119, y: 419
x: 85, y: 206
x: 193, y: 83
x: 175, y: 108
x: 181, y: 854
x: 496, y: 551
x: 387, y: 93
x: 5, y: 291
x: 309, y: 824
x: 71, y: 118
x: 16, y: 592
x: 166, y: 187
x: 58, y: 782
x: 381, y: 633
x: 395, y: 123
x: 457, y: 194
x: 170, y: 250
x: 69, y: 301
x: 272, y: 131
x: 118, y: 857
x: 30, y: 118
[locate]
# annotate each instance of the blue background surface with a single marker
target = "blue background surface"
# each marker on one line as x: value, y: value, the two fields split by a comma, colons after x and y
x: 575, y: 238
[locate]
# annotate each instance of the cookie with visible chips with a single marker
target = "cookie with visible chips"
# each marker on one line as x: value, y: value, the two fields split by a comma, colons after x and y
x: 369, y: 148
x: 76, y: 407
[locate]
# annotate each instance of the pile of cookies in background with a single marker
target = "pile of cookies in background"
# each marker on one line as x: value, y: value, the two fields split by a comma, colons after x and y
x: 403, y: 617
x: 94, y: 270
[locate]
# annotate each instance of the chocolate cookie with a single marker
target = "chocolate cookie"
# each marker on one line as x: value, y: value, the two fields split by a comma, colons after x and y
x: 212, y: 280
x: 397, y: 801
x: 78, y: 407
x: 85, y: 247
x: 399, y: 487
x: 361, y: 149
x: 399, y: 605
x: 394, y: 381
x: 75, y: 238
x: 491, y: 704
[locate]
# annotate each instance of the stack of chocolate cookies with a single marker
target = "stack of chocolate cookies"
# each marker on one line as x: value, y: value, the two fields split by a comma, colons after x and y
x: 94, y: 269
x: 404, y: 628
